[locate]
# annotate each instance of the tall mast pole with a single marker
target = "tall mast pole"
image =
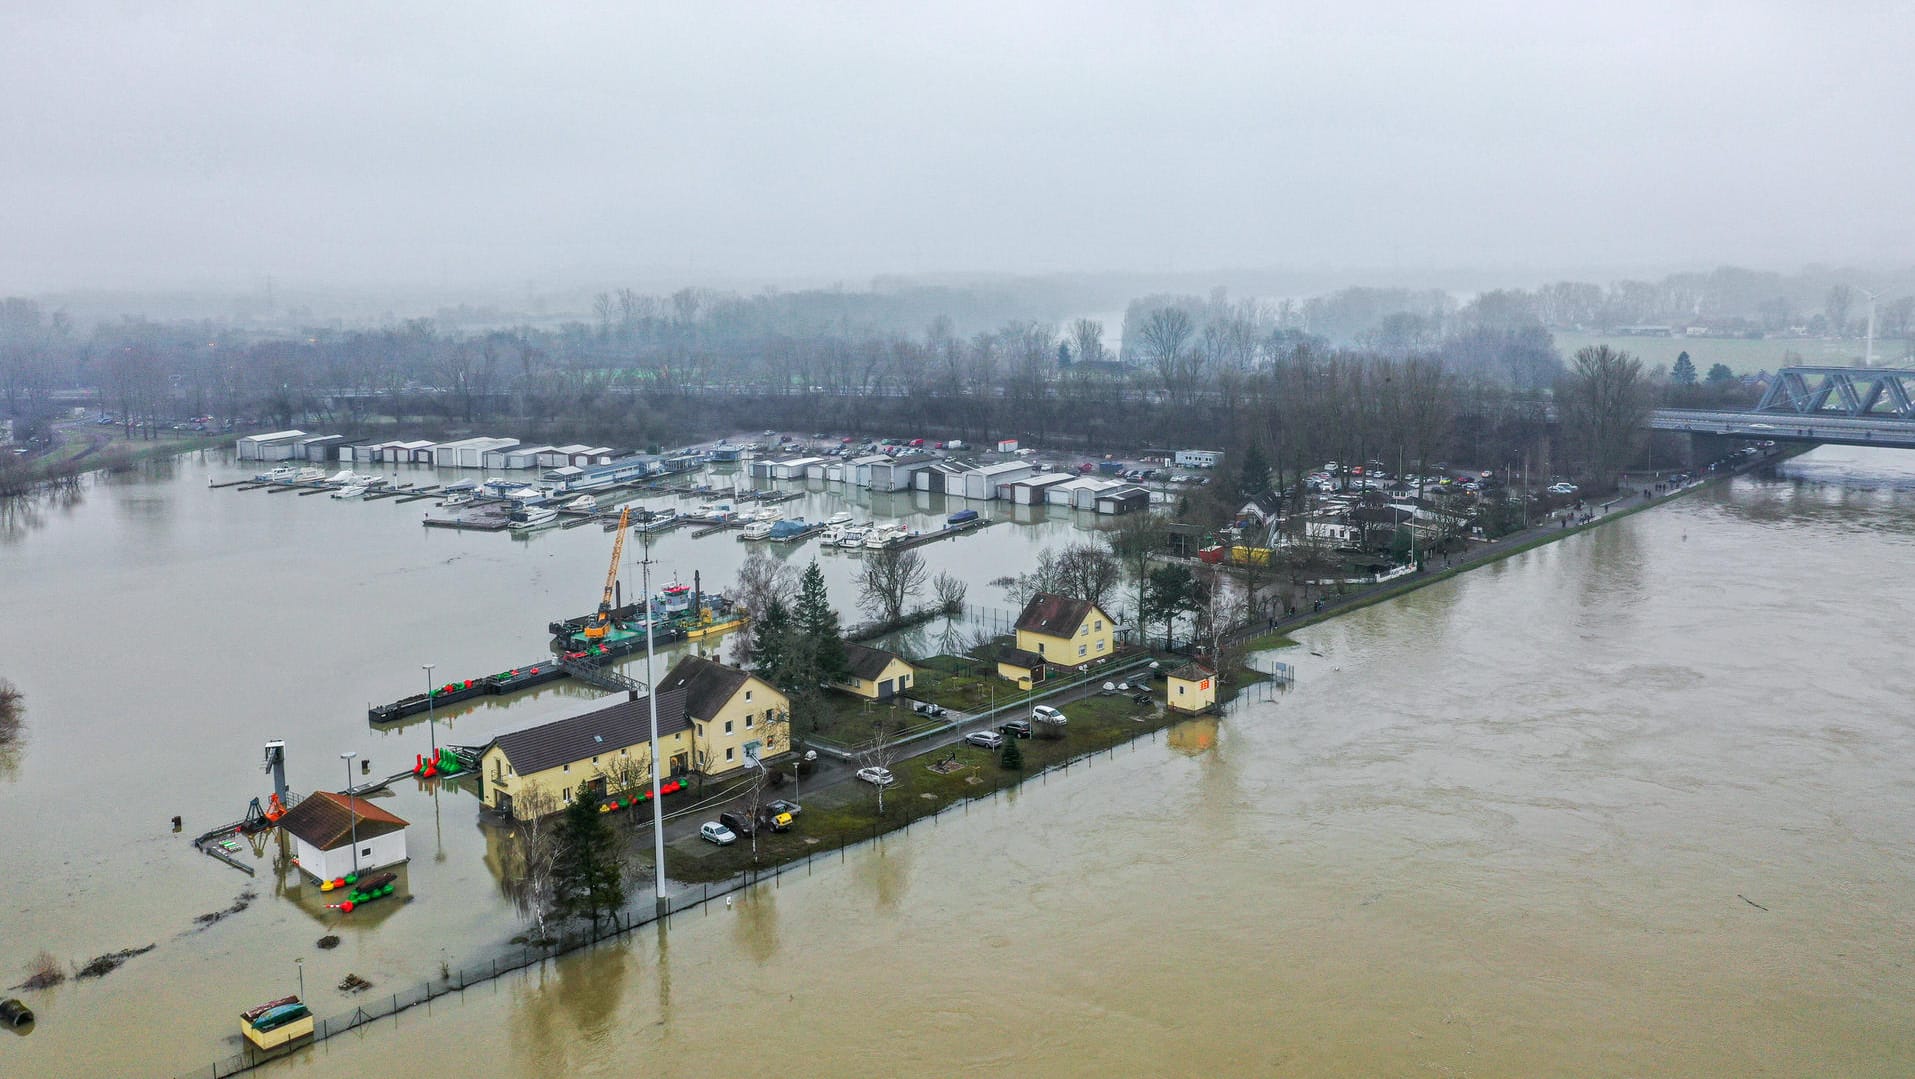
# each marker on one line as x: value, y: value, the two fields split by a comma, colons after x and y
x: 651, y: 696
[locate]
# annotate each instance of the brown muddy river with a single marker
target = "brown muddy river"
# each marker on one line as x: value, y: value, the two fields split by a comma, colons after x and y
x: 1635, y: 803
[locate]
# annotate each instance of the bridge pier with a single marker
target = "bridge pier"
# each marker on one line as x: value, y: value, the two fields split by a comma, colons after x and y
x: 1700, y: 447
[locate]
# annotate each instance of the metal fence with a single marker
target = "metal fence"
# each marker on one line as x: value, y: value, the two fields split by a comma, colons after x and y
x: 377, y: 1006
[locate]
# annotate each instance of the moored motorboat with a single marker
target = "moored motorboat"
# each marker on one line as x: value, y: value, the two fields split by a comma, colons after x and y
x: 309, y: 475
x: 351, y: 490
x: 756, y: 530
x: 282, y: 474
x: 839, y: 518
x: 583, y: 504
x: 527, y: 518
x: 457, y: 498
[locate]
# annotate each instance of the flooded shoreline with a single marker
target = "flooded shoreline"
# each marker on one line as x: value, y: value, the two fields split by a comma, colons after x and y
x: 1515, y: 821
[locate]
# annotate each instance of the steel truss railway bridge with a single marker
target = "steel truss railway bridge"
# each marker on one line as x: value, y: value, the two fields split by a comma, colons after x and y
x: 1852, y: 406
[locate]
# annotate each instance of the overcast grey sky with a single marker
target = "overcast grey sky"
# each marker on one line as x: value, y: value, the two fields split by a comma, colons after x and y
x: 168, y: 144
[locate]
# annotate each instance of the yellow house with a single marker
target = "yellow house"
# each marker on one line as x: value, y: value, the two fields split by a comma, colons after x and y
x: 1017, y: 665
x: 736, y: 717
x: 1065, y: 632
x: 876, y: 674
x: 711, y: 719
x: 1190, y: 688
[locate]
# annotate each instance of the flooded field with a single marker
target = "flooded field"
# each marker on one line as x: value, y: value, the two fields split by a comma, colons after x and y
x: 1633, y: 803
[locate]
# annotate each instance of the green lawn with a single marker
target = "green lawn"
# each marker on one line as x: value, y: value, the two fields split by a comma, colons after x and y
x: 848, y: 812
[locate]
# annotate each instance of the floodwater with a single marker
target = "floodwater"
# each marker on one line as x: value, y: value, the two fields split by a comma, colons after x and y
x: 1633, y: 803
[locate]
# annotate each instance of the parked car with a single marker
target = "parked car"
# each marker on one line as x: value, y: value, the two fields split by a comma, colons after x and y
x: 1018, y: 727
x: 987, y: 739
x: 737, y: 823
x: 877, y: 777
x: 1046, y: 714
x: 1562, y: 489
x: 717, y: 833
x: 785, y: 806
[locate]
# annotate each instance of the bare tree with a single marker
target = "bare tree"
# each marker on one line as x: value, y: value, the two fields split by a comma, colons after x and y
x: 888, y: 581
x: 1089, y: 337
x: 950, y: 593
x: 880, y: 752
x: 1604, y: 401
x: 528, y: 877
x: 761, y: 579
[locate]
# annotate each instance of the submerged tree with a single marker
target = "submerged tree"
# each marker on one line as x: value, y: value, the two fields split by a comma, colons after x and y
x: 889, y: 579
x: 588, y: 875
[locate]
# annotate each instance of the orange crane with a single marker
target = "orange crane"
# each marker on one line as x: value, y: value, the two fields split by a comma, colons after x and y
x: 603, y: 623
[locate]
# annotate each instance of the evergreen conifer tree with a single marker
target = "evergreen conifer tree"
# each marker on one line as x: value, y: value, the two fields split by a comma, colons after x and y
x: 770, y: 644
x: 1255, y: 478
x: 1684, y: 372
x: 1011, y: 759
x: 818, y: 622
x: 588, y: 876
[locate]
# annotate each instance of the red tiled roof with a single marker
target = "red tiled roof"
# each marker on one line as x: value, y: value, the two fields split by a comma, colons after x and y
x: 1054, y: 615
x: 325, y: 820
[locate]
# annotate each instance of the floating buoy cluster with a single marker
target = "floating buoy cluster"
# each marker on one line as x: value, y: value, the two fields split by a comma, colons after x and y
x: 452, y: 687
x: 374, y: 888
x: 338, y: 882
x: 445, y: 764
x: 639, y: 797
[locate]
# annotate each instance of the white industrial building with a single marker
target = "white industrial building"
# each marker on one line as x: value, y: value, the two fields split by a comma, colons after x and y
x: 468, y: 452
x: 984, y: 481
x: 278, y: 446
x: 337, y: 834
x: 1030, y: 490
x: 1198, y: 458
x: 895, y: 474
x: 514, y: 457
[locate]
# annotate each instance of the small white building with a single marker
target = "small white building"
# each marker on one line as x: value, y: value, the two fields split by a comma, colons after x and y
x: 983, y: 482
x: 859, y: 470
x: 1031, y: 490
x: 1198, y: 458
x: 468, y: 452
x: 794, y: 469
x: 513, y: 458
x: 1007, y: 445
x: 325, y: 826
x: 278, y: 446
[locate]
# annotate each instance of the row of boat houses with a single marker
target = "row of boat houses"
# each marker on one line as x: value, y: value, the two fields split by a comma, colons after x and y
x: 580, y: 467
x: 1016, y: 481
x: 484, y: 452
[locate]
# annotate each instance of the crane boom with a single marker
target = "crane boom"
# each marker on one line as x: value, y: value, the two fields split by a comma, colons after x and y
x: 603, y: 622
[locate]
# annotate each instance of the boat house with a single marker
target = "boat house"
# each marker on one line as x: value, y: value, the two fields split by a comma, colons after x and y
x: 324, y: 827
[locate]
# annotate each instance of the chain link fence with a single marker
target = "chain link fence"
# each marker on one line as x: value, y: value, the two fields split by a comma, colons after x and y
x: 376, y: 1006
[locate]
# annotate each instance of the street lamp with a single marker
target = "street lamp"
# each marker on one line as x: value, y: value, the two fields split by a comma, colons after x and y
x: 431, y: 729
x: 350, y: 811
x: 301, y: 965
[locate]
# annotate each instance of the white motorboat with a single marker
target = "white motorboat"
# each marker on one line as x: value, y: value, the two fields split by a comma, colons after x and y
x: 282, y: 474
x: 654, y: 520
x: 457, y: 498
x: 526, y: 494
x: 831, y: 535
x: 344, y: 475
x: 715, y: 512
x: 757, y: 530
x: 466, y: 486
x: 880, y: 538
x: 852, y: 537
x: 351, y: 490
x: 583, y: 503
x: 839, y: 518
x: 309, y: 475
x: 770, y: 516
x: 527, y: 518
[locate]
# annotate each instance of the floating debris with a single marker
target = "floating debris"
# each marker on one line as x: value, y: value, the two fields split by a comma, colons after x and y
x: 240, y: 902
x: 43, y: 973
x: 328, y: 942
x: 102, y: 965
x: 353, y: 983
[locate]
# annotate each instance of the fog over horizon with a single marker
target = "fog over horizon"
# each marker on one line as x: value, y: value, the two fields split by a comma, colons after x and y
x: 456, y: 147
